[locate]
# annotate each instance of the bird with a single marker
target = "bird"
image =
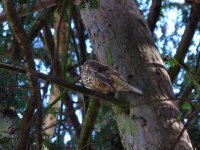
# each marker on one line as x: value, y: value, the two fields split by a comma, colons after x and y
x: 103, y: 78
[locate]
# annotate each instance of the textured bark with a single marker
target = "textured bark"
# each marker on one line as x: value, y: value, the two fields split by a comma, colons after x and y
x: 122, y: 39
x: 51, y: 118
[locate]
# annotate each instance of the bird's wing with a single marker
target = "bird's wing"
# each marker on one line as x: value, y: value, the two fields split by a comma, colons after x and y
x: 113, y: 72
x: 102, y: 76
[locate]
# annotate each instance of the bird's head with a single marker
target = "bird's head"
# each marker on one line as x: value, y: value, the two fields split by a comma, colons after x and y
x: 89, y: 65
x: 85, y: 67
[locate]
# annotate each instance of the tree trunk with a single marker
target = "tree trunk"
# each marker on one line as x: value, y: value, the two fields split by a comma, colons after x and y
x: 57, y: 60
x: 122, y: 39
x: 51, y: 119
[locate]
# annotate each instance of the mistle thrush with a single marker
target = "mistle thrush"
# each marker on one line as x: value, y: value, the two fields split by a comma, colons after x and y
x: 104, y: 79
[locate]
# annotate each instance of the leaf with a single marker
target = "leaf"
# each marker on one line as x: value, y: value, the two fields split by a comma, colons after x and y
x: 186, y: 106
x: 93, y: 4
x: 172, y: 62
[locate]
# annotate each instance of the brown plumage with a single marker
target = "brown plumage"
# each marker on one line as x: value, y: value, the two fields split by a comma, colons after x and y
x: 104, y: 79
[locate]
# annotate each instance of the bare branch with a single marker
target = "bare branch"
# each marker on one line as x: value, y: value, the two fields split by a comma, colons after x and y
x: 186, y: 40
x: 193, y: 1
x: 38, y: 24
x: 80, y: 31
x: 72, y: 116
x: 154, y: 14
x: 40, y: 5
x: 57, y: 47
x: 88, y: 124
x: 66, y: 84
x: 187, y: 90
x: 49, y: 42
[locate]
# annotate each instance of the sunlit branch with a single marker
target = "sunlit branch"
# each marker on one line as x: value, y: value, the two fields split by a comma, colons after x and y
x: 154, y: 14
x: 186, y: 40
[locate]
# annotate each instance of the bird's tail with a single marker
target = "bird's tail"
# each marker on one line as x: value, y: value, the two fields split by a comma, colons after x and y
x: 135, y: 90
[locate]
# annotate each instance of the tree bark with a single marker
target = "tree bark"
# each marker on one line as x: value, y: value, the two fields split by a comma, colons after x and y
x: 122, y: 39
x: 51, y: 118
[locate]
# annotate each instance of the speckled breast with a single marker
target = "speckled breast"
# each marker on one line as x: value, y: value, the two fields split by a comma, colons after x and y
x: 91, y: 82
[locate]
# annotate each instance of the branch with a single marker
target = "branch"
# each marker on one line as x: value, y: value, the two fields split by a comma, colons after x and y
x: 186, y: 40
x: 26, y: 10
x: 38, y: 24
x: 72, y: 116
x: 25, y: 45
x: 66, y: 84
x: 48, y: 41
x: 189, y: 88
x: 88, y: 124
x: 81, y: 36
x: 76, y: 88
x: 32, y: 33
x: 154, y: 14
x: 50, y: 46
x: 193, y: 1
x: 57, y: 47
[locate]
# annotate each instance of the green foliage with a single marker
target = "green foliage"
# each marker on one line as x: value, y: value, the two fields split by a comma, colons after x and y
x: 186, y: 106
x: 197, y: 87
x: 10, y: 95
x: 94, y: 4
x: 49, y: 145
x: 91, y: 4
x: 171, y: 62
x: 51, y: 111
x: 105, y: 133
x: 7, y: 143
